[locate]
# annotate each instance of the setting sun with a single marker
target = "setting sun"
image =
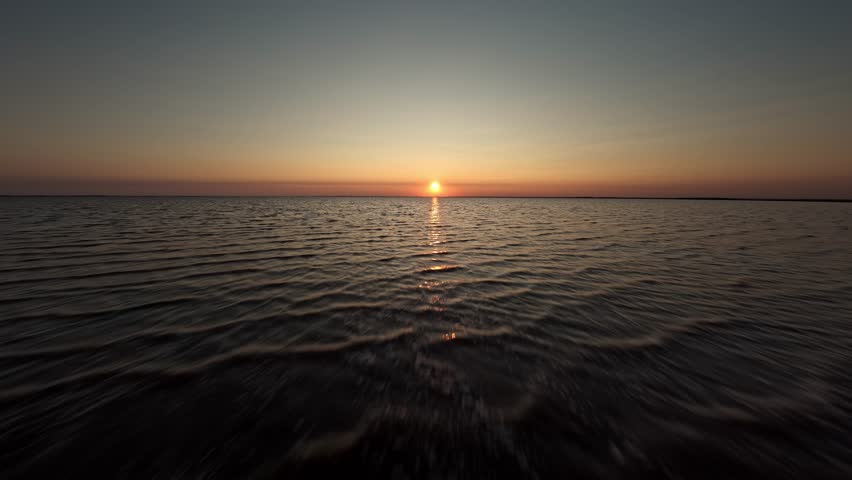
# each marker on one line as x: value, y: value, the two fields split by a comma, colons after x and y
x: 435, y: 187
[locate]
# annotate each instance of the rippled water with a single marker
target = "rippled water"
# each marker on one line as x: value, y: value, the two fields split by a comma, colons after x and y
x: 278, y: 337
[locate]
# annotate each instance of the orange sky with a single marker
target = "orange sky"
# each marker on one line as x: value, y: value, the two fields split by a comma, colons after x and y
x: 817, y: 188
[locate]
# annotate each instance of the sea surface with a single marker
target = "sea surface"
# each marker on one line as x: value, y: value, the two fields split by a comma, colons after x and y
x: 424, y: 338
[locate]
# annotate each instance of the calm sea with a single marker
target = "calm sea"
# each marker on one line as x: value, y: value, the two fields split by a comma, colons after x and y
x: 467, y: 338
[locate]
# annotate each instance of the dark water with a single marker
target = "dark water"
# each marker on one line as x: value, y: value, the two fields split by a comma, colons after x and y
x: 410, y: 338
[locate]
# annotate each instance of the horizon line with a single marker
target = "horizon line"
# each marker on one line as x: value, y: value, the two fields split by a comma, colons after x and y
x: 568, y: 197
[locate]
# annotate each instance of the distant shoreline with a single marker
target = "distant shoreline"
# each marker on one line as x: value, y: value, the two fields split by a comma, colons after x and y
x: 723, y: 199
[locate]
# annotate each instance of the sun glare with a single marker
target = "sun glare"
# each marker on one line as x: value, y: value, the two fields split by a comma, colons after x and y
x: 435, y: 187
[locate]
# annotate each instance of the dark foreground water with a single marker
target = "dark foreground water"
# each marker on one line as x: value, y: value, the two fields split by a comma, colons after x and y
x: 467, y: 338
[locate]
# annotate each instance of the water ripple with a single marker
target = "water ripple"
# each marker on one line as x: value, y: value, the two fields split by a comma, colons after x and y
x: 503, y: 337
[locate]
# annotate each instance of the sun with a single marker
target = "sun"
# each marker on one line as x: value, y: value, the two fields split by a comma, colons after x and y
x: 435, y: 187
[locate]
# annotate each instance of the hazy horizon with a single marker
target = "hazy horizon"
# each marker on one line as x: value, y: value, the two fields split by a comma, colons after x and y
x: 225, y: 189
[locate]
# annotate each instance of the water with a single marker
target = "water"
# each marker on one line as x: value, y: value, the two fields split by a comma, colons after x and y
x: 466, y: 338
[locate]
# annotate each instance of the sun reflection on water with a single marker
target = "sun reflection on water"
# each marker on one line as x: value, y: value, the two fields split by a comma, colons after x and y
x: 430, y: 284
x: 434, y: 239
x: 435, y: 225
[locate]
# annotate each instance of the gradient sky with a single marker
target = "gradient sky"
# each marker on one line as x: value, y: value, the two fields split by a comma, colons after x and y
x: 491, y: 98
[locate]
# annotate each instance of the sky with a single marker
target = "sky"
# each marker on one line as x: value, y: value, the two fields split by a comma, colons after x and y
x: 750, y: 99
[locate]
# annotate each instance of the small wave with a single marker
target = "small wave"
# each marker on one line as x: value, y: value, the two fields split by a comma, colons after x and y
x: 256, y: 350
x: 245, y: 352
x: 93, y: 375
x: 509, y: 294
x: 430, y: 254
x: 441, y: 268
x: 520, y: 272
x: 471, y: 334
x: 653, y: 339
x: 181, y: 331
x: 806, y: 399
x: 148, y: 271
x: 150, y: 256
x: 328, y: 445
x: 114, y: 312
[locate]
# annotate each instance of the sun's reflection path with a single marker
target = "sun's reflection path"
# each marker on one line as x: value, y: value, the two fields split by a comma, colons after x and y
x: 435, y: 237
x: 435, y: 225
